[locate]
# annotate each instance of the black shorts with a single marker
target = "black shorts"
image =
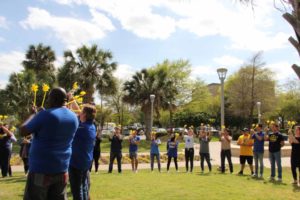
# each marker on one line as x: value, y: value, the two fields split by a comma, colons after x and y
x: 249, y: 159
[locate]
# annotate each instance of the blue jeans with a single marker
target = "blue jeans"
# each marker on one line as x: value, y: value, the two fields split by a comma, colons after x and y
x: 152, y: 155
x: 46, y: 187
x: 259, y: 158
x: 275, y: 157
x: 79, y: 183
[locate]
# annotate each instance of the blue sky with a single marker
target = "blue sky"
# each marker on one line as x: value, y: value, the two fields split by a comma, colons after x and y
x: 141, y: 33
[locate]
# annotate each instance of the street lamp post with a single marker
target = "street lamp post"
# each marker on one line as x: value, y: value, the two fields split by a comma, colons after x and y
x: 258, y: 111
x: 152, y: 97
x: 222, y: 75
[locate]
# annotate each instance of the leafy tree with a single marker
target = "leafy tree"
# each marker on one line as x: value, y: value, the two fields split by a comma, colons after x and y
x: 250, y: 84
x: 40, y: 59
x: 92, y: 68
x: 160, y: 80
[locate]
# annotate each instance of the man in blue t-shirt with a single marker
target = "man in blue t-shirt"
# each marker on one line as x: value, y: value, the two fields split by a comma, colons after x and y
x: 82, y: 153
x: 276, y: 141
x: 53, y: 131
x: 134, y: 140
x: 258, y: 150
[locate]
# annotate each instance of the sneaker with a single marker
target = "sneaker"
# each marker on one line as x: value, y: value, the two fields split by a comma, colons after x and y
x: 295, y: 182
x: 279, y: 180
x: 298, y: 184
x: 271, y: 178
x: 254, y: 175
x: 240, y: 173
x: 260, y: 176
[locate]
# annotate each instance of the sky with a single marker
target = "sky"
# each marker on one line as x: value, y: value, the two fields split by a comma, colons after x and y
x: 142, y: 33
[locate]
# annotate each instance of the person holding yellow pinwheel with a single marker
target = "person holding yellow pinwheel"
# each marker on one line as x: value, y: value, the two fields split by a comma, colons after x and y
x: 53, y: 131
x: 172, y: 148
x: 294, y: 140
x: 276, y: 142
x: 225, y: 139
x: 154, y: 152
x: 258, y: 150
x: 189, y: 150
x: 204, y: 139
x: 6, y: 137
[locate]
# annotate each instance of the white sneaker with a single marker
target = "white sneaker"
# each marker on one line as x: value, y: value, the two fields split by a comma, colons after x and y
x: 279, y: 180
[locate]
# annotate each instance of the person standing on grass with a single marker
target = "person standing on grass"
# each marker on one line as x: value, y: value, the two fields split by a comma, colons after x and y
x: 82, y: 153
x: 12, y: 140
x: 246, y: 152
x: 116, y: 149
x: 50, y: 152
x: 154, y: 152
x: 189, y: 150
x: 276, y: 141
x: 204, y: 139
x: 97, y: 151
x: 5, y: 149
x: 258, y: 150
x: 134, y: 141
x: 295, y: 155
x: 24, y: 151
x: 225, y: 140
x: 172, y: 148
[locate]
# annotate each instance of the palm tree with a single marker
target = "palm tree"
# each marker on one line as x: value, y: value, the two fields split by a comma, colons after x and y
x: 19, y: 96
x: 40, y: 59
x: 139, y: 89
x: 93, y: 69
x: 67, y: 74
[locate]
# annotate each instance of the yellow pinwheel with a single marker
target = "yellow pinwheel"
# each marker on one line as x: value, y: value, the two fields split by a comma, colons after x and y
x: 34, y: 89
x: 45, y: 90
x: 75, y: 86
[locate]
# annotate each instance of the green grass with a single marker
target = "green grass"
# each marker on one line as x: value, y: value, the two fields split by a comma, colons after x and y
x: 145, y: 185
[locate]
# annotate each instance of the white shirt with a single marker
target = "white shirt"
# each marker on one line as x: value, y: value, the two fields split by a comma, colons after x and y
x: 189, y: 141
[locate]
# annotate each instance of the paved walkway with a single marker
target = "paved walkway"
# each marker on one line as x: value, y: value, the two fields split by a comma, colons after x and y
x: 215, y: 149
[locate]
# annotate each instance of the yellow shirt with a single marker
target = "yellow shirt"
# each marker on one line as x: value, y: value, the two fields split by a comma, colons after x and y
x: 246, y: 144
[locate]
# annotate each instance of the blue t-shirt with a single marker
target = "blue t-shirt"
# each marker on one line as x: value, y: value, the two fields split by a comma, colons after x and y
x: 50, y: 150
x: 154, y: 146
x: 132, y: 146
x: 258, y: 145
x: 172, y: 148
x: 83, y: 146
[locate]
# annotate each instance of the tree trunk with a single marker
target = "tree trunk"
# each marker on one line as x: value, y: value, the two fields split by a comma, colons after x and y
x: 147, y: 113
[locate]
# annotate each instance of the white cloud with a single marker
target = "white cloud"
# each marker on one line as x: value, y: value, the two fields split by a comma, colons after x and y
x: 282, y: 70
x: 72, y: 32
x: 135, y: 16
x: 9, y: 63
x: 124, y: 72
x: 246, y: 29
x: 201, y: 71
x: 3, y: 22
x: 228, y: 60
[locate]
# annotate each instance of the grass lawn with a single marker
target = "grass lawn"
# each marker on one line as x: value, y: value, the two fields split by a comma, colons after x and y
x: 145, y: 185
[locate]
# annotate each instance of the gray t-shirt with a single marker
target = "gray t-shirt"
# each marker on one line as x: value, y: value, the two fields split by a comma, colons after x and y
x: 189, y: 141
x: 204, y: 144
